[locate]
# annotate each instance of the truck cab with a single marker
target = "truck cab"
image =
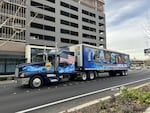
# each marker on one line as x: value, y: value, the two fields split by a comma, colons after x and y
x: 46, y: 68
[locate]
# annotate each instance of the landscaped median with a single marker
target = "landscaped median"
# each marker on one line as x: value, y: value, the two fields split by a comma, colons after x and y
x: 135, y: 100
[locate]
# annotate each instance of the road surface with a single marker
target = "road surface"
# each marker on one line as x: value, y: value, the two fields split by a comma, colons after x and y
x: 14, y: 98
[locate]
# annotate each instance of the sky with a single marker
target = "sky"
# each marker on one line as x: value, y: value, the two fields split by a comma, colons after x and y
x: 128, y: 26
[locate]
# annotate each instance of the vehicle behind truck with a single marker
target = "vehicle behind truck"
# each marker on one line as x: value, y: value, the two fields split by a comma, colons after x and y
x: 80, y: 61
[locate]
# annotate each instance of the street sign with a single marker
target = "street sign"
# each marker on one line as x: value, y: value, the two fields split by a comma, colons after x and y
x: 147, y: 51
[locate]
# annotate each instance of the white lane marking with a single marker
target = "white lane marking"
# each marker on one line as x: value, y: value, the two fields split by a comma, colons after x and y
x: 79, y: 96
x: 86, y: 105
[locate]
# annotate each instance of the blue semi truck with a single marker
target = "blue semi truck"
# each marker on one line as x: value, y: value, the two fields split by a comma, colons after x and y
x: 80, y: 61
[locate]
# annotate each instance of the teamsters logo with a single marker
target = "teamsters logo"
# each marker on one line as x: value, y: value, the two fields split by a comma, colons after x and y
x: 48, y: 65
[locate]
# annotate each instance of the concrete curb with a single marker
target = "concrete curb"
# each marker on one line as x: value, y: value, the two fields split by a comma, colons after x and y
x: 147, y: 110
x: 99, y: 100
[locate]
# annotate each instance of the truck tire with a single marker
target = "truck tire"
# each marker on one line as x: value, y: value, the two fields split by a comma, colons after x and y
x: 112, y: 73
x: 72, y: 77
x: 84, y: 76
x: 36, y: 82
x: 91, y: 75
x: 124, y: 73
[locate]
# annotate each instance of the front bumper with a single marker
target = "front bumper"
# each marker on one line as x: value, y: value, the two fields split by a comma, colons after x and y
x: 22, y: 81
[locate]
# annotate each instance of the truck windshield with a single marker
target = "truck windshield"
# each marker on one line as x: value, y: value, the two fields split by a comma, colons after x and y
x: 39, y: 58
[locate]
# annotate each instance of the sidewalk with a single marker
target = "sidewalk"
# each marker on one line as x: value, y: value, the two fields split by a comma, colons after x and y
x: 7, y: 82
x: 6, y: 79
x: 12, y: 75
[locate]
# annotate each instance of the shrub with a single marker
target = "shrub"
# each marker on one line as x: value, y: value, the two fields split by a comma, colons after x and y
x: 136, y: 95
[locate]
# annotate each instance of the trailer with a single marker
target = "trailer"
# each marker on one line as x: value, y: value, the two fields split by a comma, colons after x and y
x: 80, y: 61
x: 91, y: 60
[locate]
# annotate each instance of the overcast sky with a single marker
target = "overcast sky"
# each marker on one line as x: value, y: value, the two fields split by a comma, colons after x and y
x: 127, y: 26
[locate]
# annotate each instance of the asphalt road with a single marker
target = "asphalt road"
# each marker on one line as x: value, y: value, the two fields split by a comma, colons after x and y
x: 14, y: 98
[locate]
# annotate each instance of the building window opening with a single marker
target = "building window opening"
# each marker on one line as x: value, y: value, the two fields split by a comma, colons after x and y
x: 49, y: 38
x: 49, y: 28
x: 64, y: 31
x: 36, y: 36
x: 101, y: 39
x: 94, y: 44
x: 53, y: 1
x: 68, y: 6
x: 64, y: 4
x: 49, y: 18
x: 51, y: 9
x: 35, y: 25
x: 64, y: 13
x: 64, y: 40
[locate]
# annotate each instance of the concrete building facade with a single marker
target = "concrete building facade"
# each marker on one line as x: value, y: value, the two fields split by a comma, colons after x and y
x: 65, y: 22
x: 45, y: 22
x: 12, y: 34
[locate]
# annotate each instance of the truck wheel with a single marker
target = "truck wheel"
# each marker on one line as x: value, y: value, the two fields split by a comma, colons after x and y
x: 91, y: 75
x: 36, y: 82
x: 123, y: 73
x: 83, y: 76
x: 72, y: 77
x: 126, y: 73
x: 112, y: 73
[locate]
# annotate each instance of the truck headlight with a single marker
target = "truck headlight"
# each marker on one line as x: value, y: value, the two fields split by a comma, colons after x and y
x: 22, y: 75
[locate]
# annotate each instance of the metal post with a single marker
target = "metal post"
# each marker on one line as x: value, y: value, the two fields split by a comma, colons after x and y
x: 56, y: 58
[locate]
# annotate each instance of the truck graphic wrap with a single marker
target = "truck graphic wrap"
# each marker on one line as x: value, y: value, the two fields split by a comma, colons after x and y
x: 103, y: 59
x: 39, y: 67
x: 67, y: 62
x: 66, y: 65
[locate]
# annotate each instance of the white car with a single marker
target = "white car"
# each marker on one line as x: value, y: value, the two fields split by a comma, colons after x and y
x: 138, y: 68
